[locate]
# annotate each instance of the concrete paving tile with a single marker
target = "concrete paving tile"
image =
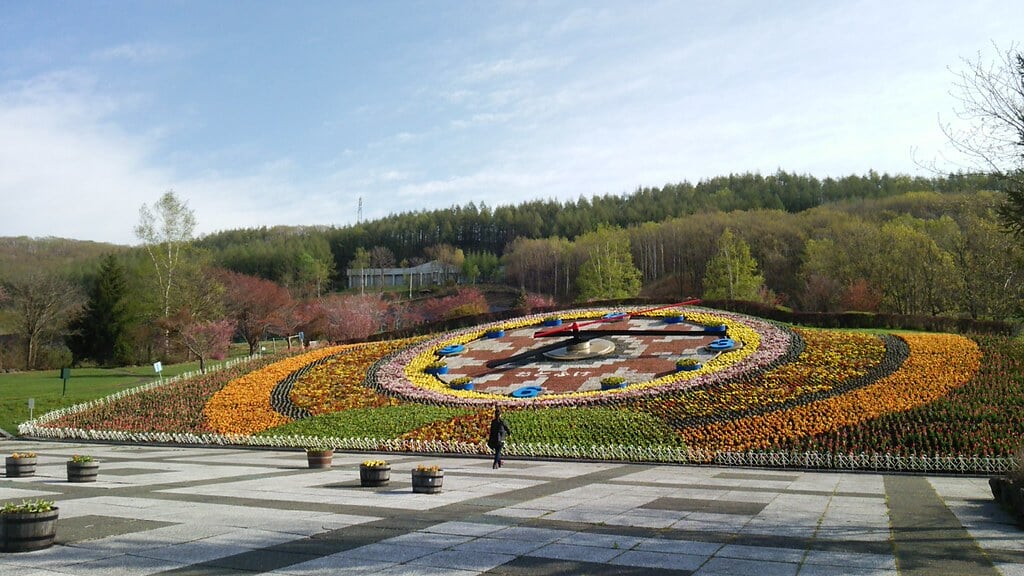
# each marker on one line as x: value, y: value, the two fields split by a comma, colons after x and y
x: 499, y: 546
x: 855, y: 533
x: 515, y: 512
x: 581, y: 515
x: 475, y: 561
x: 194, y: 552
x: 613, y: 541
x: 542, y: 535
x: 156, y: 538
x: 822, y: 570
x: 123, y: 565
x: 54, y: 558
x: 642, y: 520
x: 251, y: 538
x: 571, y: 552
x: 428, y: 540
x: 647, y: 559
x: 17, y: 494
x: 1007, y: 569
x: 842, y: 516
x: 722, y: 566
x: 669, y: 546
x: 315, y: 525
x: 395, y: 553
x: 465, y: 528
x: 851, y: 560
x: 422, y: 570
x: 764, y: 553
x: 335, y: 564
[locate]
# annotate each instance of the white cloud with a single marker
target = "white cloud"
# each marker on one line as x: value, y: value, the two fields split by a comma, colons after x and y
x: 137, y: 53
x: 65, y: 171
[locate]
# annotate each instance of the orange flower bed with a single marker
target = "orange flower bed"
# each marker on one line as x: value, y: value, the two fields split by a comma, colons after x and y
x: 243, y: 406
x: 338, y: 384
x: 938, y: 364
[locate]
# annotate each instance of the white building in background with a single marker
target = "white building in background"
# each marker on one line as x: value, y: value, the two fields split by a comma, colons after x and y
x: 425, y: 275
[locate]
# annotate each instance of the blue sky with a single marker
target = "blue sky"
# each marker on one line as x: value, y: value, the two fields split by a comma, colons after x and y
x: 270, y: 113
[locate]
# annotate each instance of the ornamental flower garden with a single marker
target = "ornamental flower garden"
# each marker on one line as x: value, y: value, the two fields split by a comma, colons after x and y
x: 692, y: 385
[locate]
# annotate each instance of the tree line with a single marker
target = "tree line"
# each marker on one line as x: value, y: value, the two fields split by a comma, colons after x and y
x: 926, y: 252
x: 300, y: 256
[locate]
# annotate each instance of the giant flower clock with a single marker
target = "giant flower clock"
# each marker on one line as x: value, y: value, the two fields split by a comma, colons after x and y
x: 528, y: 361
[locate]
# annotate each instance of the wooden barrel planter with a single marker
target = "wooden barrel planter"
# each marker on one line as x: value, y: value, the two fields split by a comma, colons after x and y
x: 28, y: 531
x: 427, y: 481
x: 83, y: 471
x: 372, y: 476
x: 20, y: 467
x: 613, y: 382
x: 319, y: 458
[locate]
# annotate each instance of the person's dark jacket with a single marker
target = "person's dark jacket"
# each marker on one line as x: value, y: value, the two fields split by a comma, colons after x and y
x: 499, y: 432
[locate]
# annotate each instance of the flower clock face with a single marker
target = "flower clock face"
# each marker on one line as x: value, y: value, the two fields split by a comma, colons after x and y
x: 530, y: 360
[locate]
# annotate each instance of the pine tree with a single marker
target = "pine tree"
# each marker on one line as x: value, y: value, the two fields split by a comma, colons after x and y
x: 100, y: 333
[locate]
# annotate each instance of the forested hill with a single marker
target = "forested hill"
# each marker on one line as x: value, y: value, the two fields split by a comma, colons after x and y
x: 76, y: 258
x: 479, y: 228
x: 285, y: 254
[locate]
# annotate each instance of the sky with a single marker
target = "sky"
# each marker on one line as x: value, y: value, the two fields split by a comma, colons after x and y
x: 261, y: 113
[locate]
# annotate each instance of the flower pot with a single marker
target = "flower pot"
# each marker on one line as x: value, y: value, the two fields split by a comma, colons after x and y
x: 996, y: 484
x: 427, y: 481
x: 553, y: 322
x: 494, y: 333
x: 613, y: 384
x: 27, y: 531
x: 687, y: 368
x: 463, y: 386
x: 673, y: 319
x: 319, y: 458
x: 437, y: 371
x: 83, y: 471
x: 21, y: 467
x: 374, y: 475
x: 452, y: 350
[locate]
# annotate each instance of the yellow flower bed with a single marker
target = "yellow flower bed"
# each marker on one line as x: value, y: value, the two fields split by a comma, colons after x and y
x: 938, y: 363
x: 243, y: 406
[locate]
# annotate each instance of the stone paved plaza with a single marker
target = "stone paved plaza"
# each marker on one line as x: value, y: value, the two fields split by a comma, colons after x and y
x: 171, y: 510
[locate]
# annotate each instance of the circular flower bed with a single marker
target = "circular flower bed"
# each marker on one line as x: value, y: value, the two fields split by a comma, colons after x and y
x: 757, y: 345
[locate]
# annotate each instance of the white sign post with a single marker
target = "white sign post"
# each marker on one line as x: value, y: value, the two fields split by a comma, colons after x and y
x: 31, y: 407
x: 158, y: 368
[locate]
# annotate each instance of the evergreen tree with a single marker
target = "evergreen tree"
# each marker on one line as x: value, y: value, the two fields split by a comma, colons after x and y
x: 732, y: 272
x: 101, y: 332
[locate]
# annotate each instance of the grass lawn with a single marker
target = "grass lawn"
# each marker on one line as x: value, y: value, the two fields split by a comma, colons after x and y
x: 85, y: 384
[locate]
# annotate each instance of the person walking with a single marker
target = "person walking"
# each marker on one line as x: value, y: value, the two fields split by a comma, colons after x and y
x: 496, y: 439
